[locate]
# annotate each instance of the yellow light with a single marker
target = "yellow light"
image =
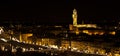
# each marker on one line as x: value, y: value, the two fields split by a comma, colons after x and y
x: 58, y: 26
x: 96, y: 33
x: 23, y: 49
x: 25, y: 36
x: 20, y: 38
x: 89, y: 33
x: 30, y: 42
x: 113, y: 33
x: 74, y: 15
x: 70, y: 27
x: 101, y: 33
x: 26, y: 41
x: 87, y: 25
x: 37, y: 43
x: 85, y: 31
x: 3, y: 48
x: 116, y: 54
x: 77, y: 32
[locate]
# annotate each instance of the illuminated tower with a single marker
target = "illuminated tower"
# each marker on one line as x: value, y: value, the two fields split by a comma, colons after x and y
x: 74, y: 15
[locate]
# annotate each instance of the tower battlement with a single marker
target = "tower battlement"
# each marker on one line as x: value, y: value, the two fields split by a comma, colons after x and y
x: 74, y: 16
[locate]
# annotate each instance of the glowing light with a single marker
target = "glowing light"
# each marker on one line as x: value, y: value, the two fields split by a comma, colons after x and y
x: 33, y: 43
x: 87, y: 25
x: 77, y: 32
x: 6, y: 49
x: 27, y: 42
x: 58, y: 26
x: 30, y: 42
x: 113, y: 33
x: 89, y: 33
x: 37, y: 43
x: 3, y: 48
x: 1, y: 30
x: 23, y: 49
x: 115, y: 27
x: 74, y: 15
x: 96, y: 33
x: 85, y: 31
x: 53, y: 46
x: 43, y: 45
x: 69, y: 47
x: 25, y: 36
x: 14, y: 50
x: 116, y: 54
x: 23, y: 41
x: 31, y: 49
x: 73, y: 49
x: 101, y: 33
x: 78, y: 50
x: 3, y: 39
x: 71, y: 27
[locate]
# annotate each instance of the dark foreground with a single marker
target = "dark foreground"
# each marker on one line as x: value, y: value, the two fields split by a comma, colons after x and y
x: 36, y: 53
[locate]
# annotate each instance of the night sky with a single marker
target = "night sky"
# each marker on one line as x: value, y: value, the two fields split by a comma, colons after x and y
x: 58, y: 11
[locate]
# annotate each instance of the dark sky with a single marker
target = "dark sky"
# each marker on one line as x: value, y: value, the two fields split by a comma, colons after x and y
x: 57, y: 11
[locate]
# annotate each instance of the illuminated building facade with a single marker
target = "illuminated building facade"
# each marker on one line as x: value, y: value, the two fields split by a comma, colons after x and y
x: 24, y: 37
x: 74, y: 16
x: 83, y: 28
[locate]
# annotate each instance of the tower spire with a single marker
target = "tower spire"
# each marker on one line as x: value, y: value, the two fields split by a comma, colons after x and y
x: 74, y: 15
